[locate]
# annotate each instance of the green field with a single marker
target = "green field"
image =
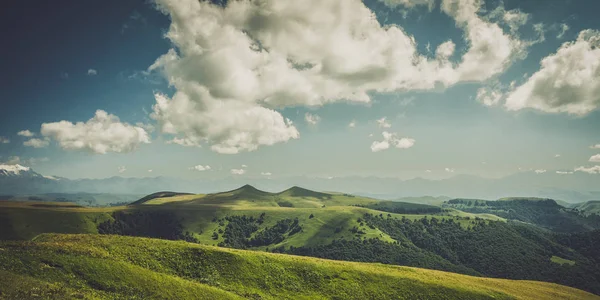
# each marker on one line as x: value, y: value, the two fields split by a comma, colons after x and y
x: 92, y: 267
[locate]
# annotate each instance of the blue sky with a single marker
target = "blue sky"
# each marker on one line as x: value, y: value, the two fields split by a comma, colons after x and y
x: 66, y: 62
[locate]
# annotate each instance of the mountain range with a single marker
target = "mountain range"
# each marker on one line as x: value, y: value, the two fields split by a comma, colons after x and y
x: 572, y: 188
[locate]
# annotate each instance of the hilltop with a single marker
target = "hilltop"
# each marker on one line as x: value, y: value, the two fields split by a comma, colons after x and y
x: 334, y: 226
x: 86, y: 266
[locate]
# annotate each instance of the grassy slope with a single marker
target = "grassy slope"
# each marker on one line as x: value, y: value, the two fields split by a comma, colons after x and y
x: 60, y: 266
x: 24, y: 220
x: 588, y: 208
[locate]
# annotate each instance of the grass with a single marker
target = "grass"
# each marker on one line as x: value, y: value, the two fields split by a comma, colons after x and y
x: 561, y: 261
x: 92, y: 267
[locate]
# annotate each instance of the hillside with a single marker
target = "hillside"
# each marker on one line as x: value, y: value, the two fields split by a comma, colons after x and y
x: 588, y: 208
x: 545, y: 213
x: 327, y: 225
x: 86, y: 266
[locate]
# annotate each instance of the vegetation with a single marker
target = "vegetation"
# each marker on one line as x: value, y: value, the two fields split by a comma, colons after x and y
x: 403, y: 207
x: 542, y: 212
x: 116, y: 267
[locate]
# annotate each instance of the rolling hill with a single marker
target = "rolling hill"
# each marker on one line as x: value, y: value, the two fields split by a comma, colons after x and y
x: 327, y: 225
x: 89, y: 267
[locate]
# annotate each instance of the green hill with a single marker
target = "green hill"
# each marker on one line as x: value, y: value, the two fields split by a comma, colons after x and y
x: 588, y: 208
x: 542, y: 212
x: 109, y: 267
x: 157, y: 195
x: 335, y: 226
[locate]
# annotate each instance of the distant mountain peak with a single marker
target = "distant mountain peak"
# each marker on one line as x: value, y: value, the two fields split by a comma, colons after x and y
x: 15, y: 169
x: 297, y: 191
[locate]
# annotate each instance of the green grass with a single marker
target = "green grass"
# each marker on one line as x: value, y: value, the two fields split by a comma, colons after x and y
x: 562, y: 261
x: 112, y: 267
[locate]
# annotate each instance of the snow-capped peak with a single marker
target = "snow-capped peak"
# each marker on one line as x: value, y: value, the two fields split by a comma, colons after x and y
x: 14, y: 169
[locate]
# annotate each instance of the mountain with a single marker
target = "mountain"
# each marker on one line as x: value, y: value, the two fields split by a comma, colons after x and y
x: 340, y: 226
x: 573, y: 188
x: 588, y: 208
x: 114, y: 267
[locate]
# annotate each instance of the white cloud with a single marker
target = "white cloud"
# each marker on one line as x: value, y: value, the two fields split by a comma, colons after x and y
x: 37, y: 143
x: 238, y: 171
x: 597, y: 146
x: 590, y: 170
x: 595, y: 158
x: 244, y: 166
x: 567, y: 82
x: 352, y: 124
x: 266, y: 173
x: 101, y: 134
x: 391, y: 139
x: 234, y: 65
x: 25, y: 133
x: 183, y: 142
x: 489, y: 96
x: 409, y: 3
x: 557, y: 155
x: 92, y: 72
x: 149, y: 171
x: 449, y: 170
x: 121, y: 169
x: 564, y: 172
x: 4, y: 140
x: 428, y: 171
x: 312, y: 119
x: 540, y: 171
x: 382, y: 123
x: 12, y: 160
x: 563, y: 29
x: 200, y: 168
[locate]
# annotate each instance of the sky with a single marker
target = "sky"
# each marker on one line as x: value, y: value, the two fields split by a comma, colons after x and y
x: 274, y: 88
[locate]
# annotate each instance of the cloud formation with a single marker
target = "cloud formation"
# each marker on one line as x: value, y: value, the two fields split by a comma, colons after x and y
x: 595, y: 158
x: 25, y: 133
x: 540, y: 171
x: 597, y: 146
x: 101, y: 134
x: 121, y: 169
x: 92, y: 72
x: 391, y: 139
x: 4, y: 140
x: 312, y: 119
x: 233, y: 66
x: 238, y: 171
x: 383, y: 123
x: 200, y: 168
x: 37, y: 143
x: 590, y: 170
x: 568, y: 81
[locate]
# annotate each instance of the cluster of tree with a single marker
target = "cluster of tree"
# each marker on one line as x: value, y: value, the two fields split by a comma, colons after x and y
x: 545, y: 213
x: 402, y: 207
x: 494, y: 249
x: 154, y: 224
x: 239, y: 230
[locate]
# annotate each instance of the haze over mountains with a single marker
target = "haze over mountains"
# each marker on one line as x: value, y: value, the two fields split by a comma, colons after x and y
x: 573, y: 188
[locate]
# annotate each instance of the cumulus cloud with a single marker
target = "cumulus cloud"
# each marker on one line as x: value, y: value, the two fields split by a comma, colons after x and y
x: 101, y: 134
x: 92, y: 72
x: 200, y: 168
x: 266, y: 173
x: 564, y: 172
x: 557, y: 155
x: 540, y: 171
x: 590, y: 170
x: 233, y: 66
x: 312, y: 119
x: 4, y: 140
x: 352, y: 124
x: 595, y: 158
x: 25, y: 133
x: 238, y: 171
x: 597, y: 146
x: 37, y: 143
x: 409, y: 3
x: 563, y: 29
x: 121, y: 169
x: 244, y: 166
x: 391, y: 139
x: 489, y: 96
x: 568, y: 81
x: 449, y: 170
x: 383, y: 123
x: 149, y: 171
